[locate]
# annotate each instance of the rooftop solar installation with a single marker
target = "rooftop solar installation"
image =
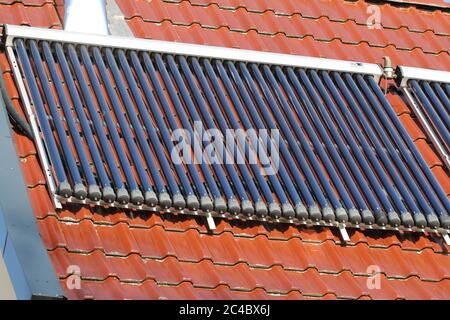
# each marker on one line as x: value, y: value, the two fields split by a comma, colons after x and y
x: 104, y: 114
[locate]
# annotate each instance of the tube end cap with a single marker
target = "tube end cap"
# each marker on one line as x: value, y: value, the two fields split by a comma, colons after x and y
x: 301, y: 212
x: 150, y: 198
x: 206, y: 203
x: 79, y: 191
x: 220, y: 205
x: 164, y: 200
x: 192, y: 203
x: 64, y: 189
x: 179, y: 202
x: 94, y: 192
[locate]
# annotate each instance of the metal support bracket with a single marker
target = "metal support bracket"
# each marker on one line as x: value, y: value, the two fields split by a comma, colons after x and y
x: 344, y: 233
x: 210, y: 221
x: 446, y: 237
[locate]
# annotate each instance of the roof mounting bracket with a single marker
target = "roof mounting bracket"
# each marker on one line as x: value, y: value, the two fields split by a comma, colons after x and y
x: 446, y: 237
x: 210, y: 221
x: 344, y: 234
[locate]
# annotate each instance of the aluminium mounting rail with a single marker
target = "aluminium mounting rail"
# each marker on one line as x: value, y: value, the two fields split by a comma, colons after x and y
x: 213, y: 52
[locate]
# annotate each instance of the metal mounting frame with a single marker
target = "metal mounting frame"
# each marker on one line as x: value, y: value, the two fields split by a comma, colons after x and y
x: 43, y: 157
x: 404, y: 74
x: 13, y: 31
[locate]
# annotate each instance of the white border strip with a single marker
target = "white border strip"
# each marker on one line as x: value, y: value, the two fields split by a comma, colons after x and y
x: 13, y: 31
x: 406, y: 73
x: 34, y: 125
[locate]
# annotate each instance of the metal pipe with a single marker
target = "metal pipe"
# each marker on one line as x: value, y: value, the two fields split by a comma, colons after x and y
x: 194, y: 50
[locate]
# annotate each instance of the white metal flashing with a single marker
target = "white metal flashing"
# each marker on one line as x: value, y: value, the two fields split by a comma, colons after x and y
x: 404, y: 74
x: 87, y: 16
x: 12, y: 32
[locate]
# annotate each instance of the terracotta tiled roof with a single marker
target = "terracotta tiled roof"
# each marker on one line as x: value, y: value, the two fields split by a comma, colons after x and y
x: 142, y: 255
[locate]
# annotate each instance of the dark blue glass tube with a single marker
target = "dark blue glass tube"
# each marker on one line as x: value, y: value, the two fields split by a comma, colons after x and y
x: 135, y: 194
x: 149, y: 195
x: 145, y: 146
x: 94, y: 190
x: 430, y: 110
x: 279, y: 191
x: 121, y: 193
x: 79, y: 190
x: 178, y: 199
x: 247, y: 96
x: 210, y: 123
x: 247, y: 207
x: 62, y: 183
x: 445, y: 100
x: 413, y: 165
x: 205, y: 200
x: 388, y: 163
x: 365, y: 167
x: 192, y: 201
x: 260, y: 206
x: 108, y: 194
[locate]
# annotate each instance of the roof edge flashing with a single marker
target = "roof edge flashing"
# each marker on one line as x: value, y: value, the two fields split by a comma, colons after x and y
x: 86, y: 16
x: 13, y: 31
x: 404, y: 74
